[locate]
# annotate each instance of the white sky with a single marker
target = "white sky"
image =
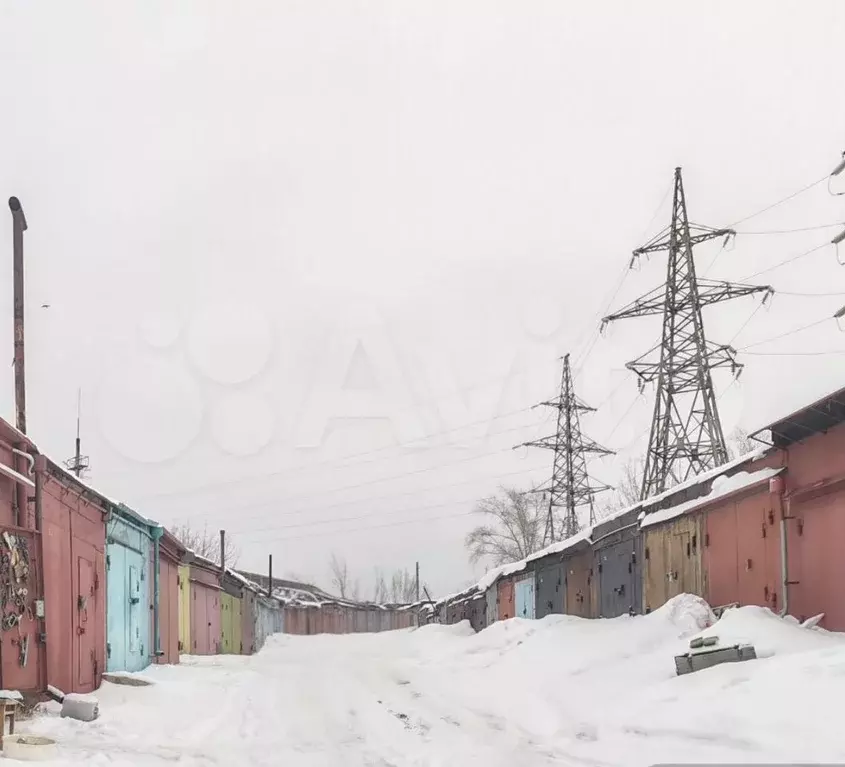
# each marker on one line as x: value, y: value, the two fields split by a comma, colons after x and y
x: 275, y: 234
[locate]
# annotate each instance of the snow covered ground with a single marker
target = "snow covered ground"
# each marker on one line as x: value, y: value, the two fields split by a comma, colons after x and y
x: 560, y: 691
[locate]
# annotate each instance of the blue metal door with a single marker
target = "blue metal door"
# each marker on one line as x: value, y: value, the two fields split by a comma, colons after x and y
x: 127, y: 618
x: 134, y: 608
x: 524, y: 597
x: 116, y: 608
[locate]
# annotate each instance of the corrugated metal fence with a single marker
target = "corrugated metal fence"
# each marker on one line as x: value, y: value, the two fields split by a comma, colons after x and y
x: 334, y: 618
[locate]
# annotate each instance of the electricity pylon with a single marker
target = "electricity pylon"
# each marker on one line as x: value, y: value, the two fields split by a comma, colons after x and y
x: 570, y: 486
x: 686, y: 433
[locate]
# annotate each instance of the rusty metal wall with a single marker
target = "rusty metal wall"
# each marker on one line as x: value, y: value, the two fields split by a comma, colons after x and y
x: 815, y: 482
x: 21, y: 666
x: 741, y: 552
x: 360, y: 621
x: 506, y: 605
x: 578, y: 577
x: 330, y: 618
x: 74, y: 584
x: 29, y: 677
x: 168, y: 610
x: 672, y: 560
x: 205, y: 612
x: 816, y: 562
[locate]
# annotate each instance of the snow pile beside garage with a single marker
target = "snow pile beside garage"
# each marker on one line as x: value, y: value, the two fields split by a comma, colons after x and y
x: 562, y: 690
x: 769, y: 633
x: 607, y: 689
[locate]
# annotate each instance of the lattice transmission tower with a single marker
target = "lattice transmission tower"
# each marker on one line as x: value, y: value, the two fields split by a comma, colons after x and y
x: 686, y: 434
x: 570, y: 487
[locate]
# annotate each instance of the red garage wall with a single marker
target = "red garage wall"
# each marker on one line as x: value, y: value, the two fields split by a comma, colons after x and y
x: 74, y: 582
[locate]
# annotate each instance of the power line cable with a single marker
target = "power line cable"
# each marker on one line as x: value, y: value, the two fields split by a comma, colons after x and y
x: 347, y: 531
x: 389, y: 512
x: 758, y: 213
x: 330, y: 461
x: 808, y: 295
x: 744, y: 324
x: 624, y: 416
x: 786, y: 261
x: 791, y: 231
x: 785, y: 335
x: 779, y: 202
x: 349, y: 501
x: 830, y: 352
x: 388, y: 478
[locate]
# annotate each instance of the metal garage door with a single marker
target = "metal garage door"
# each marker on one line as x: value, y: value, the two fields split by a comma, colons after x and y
x: 550, y: 589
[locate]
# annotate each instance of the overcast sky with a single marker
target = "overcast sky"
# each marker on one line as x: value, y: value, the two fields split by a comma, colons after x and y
x: 291, y: 248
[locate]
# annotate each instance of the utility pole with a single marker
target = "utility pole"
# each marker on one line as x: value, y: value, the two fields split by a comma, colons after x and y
x: 79, y: 463
x: 18, y: 228
x: 686, y: 433
x: 418, y: 581
x: 270, y: 576
x: 570, y: 486
x: 222, y: 552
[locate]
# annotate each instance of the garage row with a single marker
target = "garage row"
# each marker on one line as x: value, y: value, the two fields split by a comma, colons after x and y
x: 767, y: 529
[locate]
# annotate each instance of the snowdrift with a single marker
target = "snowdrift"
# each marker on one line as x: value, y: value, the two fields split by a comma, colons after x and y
x: 562, y: 690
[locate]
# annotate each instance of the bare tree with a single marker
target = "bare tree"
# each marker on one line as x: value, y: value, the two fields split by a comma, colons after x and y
x: 515, y: 528
x: 740, y: 443
x: 380, y: 587
x: 403, y: 587
x: 355, y: 591
x: 630, y: 483
x: 340, y: 575
x: 627, y: 490
x: 206, y: 543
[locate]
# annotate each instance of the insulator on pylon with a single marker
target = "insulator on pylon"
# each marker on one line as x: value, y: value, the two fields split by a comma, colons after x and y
x: 839, y: 168
x: 839, y: 237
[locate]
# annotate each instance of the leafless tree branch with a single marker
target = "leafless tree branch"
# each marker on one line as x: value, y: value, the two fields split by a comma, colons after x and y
x: 206, y: 543
x: 340, y: 575
x: 514, y: 530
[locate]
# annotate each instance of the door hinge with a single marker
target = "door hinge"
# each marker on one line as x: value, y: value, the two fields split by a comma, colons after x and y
x: 108, y: 561
x: 96, y: 581
x: 108, y: 649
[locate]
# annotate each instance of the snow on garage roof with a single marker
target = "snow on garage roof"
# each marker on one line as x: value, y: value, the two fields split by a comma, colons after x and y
x: 722, y: 487
x: 817, y: 416
x: 699, y: 479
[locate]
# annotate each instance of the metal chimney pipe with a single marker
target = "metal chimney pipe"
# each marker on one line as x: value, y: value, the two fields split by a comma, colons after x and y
x: 18, y: 228
x: 222, y: 552
x: 270, y: 576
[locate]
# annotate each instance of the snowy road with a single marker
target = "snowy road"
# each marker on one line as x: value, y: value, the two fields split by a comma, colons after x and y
x: 561, y: 691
